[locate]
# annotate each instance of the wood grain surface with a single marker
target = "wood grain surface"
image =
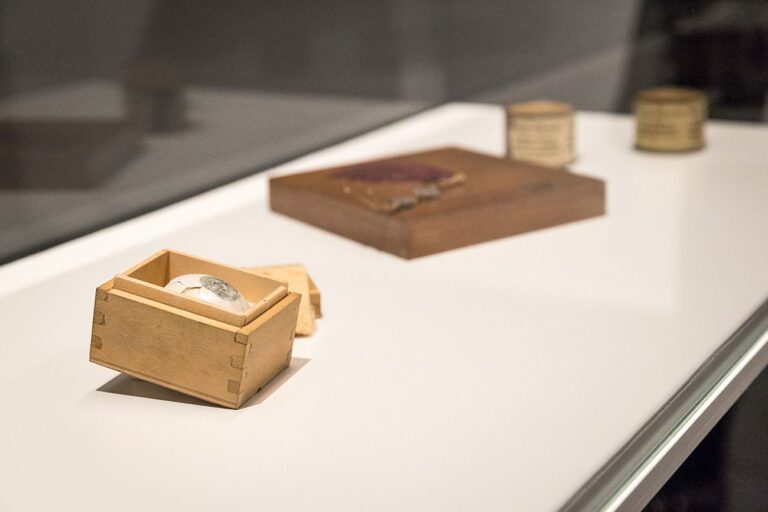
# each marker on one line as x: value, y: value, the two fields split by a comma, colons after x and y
x: 180, y: 347
x: 499, y: 198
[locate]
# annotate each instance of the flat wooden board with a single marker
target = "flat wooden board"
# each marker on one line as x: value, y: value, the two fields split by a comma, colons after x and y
x: 498, y: 198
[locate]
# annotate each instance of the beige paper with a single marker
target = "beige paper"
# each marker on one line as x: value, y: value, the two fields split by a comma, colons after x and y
x: 298, y: 281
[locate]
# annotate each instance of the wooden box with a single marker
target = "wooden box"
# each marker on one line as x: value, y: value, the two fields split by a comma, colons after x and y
x: 183, y: 343
x: 497, y: 198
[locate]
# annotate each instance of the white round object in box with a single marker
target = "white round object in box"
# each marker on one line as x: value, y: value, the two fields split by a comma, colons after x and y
x: 209, y: 289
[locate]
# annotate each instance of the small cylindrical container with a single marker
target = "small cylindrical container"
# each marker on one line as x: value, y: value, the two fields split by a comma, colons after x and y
x: 541, y: 132
x: 670, y: 119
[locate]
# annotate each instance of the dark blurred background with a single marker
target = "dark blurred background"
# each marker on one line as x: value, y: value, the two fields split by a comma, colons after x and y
x: 728, y: 471
x: 109, y: 109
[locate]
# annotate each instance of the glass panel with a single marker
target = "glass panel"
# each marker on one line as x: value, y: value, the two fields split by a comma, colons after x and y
x: 110, y: 109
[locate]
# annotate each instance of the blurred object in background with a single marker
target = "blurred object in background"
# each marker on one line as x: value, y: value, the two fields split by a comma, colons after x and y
x: 718, y: 46
x: 541, y: 132
x: 723, y: 48
x: 63, y: 153
x: 155, y: 96
x: 670, y: 119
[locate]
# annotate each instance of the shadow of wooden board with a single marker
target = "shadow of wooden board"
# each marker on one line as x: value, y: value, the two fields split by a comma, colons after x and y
x: 498, y: 198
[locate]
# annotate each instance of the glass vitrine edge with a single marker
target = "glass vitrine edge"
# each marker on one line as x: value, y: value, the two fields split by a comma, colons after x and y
x: 612, y: 486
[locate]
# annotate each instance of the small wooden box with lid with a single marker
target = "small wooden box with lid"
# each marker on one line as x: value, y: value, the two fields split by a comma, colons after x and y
x: 180, y: 342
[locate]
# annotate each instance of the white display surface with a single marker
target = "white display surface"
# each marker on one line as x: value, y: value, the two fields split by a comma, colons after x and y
x: 495, y: 377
